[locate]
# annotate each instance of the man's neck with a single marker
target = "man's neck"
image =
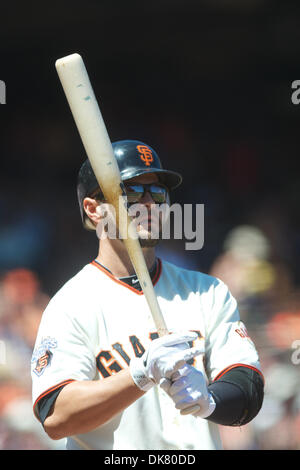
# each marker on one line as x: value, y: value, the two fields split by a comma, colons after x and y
x: 114, y: 256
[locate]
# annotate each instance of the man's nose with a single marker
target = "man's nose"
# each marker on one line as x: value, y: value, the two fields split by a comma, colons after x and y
x: 147, y: 198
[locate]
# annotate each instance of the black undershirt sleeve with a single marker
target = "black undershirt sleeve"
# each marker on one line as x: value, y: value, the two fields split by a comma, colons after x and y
x: 238, y: 395
x: 45, y: 404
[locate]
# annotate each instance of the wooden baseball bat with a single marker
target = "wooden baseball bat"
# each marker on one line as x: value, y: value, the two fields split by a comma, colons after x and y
x: 91, y: 127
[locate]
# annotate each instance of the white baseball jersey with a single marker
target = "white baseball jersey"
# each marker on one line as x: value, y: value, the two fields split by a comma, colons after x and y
x: 96, y: 323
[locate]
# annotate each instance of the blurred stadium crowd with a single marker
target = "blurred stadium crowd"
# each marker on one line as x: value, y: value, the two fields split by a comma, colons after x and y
x: 44, y: 244
x: 210, y: 90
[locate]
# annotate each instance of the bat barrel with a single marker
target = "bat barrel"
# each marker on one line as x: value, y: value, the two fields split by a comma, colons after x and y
x: 92, y: 130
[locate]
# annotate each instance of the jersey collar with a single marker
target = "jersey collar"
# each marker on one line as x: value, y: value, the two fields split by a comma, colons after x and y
x: 132, y: 282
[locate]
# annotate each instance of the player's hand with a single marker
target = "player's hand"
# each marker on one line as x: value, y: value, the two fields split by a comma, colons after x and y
x: 163, y: 358
x: 189, y: 392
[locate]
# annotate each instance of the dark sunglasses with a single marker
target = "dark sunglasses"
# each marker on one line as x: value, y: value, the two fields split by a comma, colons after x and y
x: 136, y: 191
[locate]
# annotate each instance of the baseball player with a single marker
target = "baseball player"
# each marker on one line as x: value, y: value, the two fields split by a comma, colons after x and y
x: 101, y: 375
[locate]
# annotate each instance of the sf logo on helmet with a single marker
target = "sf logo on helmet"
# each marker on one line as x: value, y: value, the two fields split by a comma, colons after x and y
x: 145, y: 154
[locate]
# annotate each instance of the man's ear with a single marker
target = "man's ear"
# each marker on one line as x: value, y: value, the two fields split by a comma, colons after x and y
x: 90, y: 206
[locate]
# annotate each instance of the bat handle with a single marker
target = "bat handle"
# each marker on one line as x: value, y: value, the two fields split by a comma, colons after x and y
x: 162, y: 331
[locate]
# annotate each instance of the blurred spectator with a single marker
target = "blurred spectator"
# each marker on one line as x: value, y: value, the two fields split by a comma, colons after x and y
x: 270, y: 305
x: 22, y: 302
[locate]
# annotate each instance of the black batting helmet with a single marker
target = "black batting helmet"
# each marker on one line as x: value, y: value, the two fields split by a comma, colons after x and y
x: 134, y: 158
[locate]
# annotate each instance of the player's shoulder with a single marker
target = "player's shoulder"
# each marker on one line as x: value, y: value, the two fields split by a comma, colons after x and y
x: 214, y: 295
x: 84, y: 276
x: 192, y: 278
x: 74, y: 292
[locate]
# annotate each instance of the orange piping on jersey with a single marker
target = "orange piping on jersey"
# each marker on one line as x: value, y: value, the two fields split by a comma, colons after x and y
x: 118, y: 281
x: 233, y: 366
x: 49, y: 390
x: 115, y: 279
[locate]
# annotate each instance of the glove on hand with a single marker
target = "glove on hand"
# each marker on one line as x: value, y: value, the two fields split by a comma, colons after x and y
x: 189, y: 392
x: 164, y: 356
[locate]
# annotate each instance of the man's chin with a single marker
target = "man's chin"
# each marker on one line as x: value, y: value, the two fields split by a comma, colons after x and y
x: 148, y: 242
x: 148, y: 239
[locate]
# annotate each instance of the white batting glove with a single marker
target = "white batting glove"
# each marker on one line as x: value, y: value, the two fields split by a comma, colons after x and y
x: 162, y: 359
x: 189, y: 392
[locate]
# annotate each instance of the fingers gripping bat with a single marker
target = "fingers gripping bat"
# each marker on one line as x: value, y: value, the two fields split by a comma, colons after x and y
x: 91, y: 127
